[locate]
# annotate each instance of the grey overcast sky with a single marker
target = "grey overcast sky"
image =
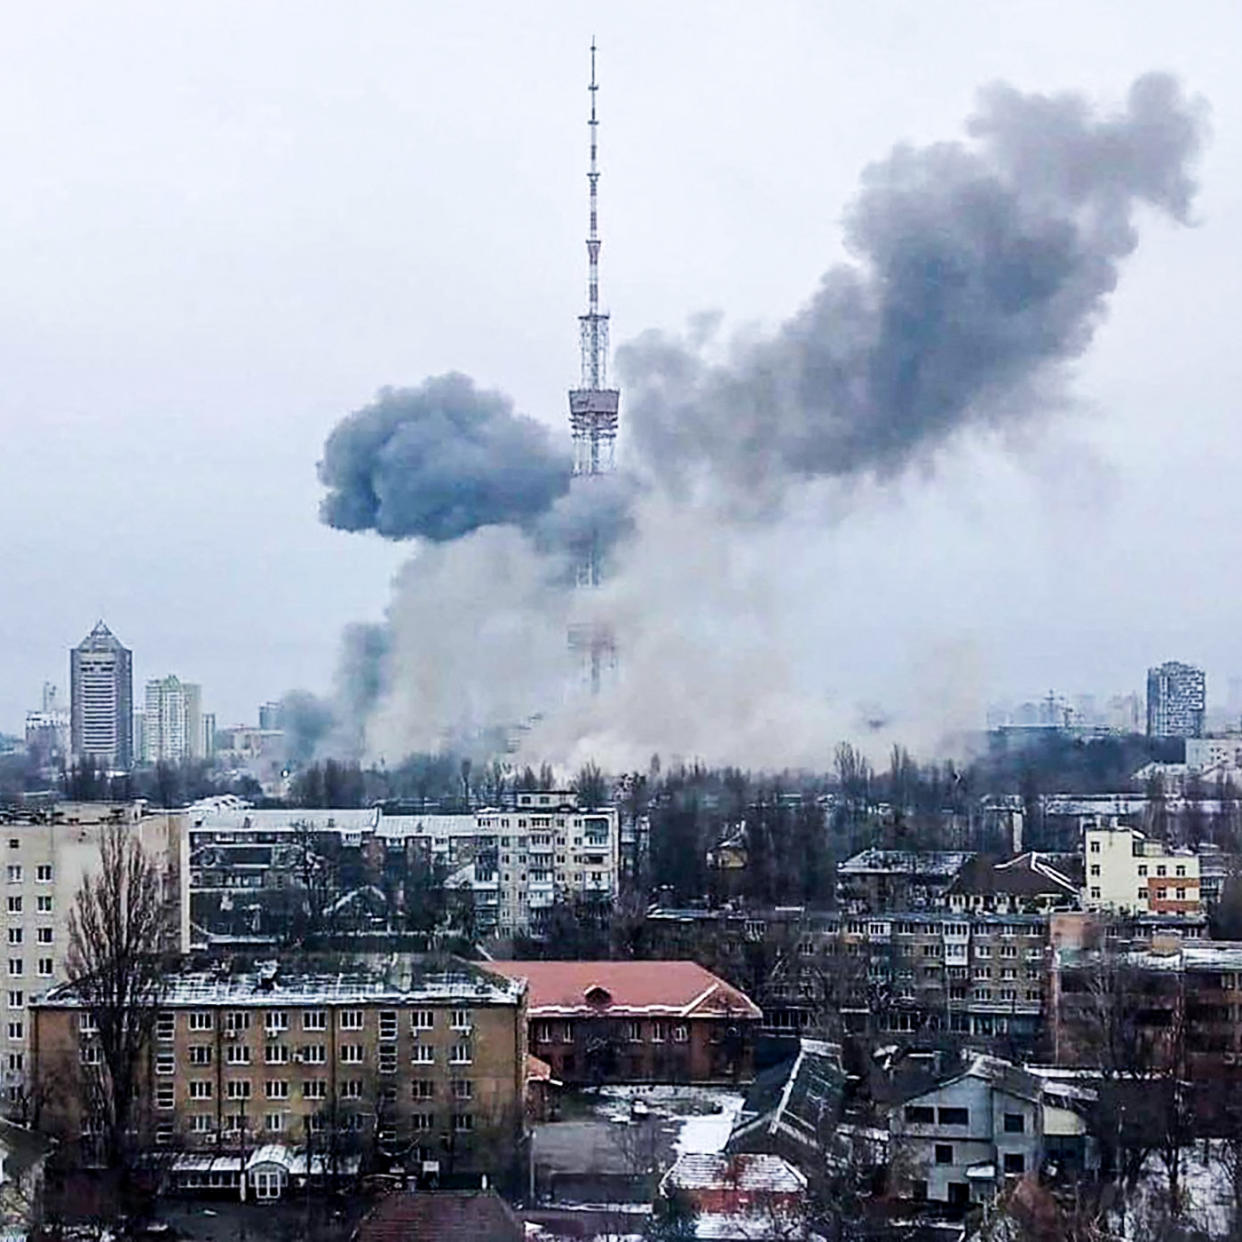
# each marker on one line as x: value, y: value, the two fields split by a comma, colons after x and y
x: 225, y: 224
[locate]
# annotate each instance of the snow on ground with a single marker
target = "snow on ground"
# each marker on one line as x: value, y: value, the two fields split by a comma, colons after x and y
x: 704, y: 1116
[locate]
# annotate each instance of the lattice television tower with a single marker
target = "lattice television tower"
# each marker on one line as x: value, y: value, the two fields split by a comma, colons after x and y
x: 593, y: 420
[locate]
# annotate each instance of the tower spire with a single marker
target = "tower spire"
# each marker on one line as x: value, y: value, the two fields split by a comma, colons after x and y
x: 593, y: 405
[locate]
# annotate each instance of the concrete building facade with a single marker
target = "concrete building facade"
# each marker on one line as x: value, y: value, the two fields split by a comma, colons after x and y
x: 172, y: 721
x: 101, y: 696
x: 1176, y: 700
x: 1128, y: 873
x: 46, y: 858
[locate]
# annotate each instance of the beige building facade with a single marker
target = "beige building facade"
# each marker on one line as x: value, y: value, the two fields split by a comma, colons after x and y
x: 404, y: 1062
x: 1129, y: 873
x: 46, y: 857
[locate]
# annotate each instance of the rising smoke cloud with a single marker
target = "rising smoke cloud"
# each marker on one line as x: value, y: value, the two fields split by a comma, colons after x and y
x: 978, y: 270
x: 439, y: 461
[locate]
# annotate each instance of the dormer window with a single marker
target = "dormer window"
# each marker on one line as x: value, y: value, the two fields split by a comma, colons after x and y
x: 597, y: 995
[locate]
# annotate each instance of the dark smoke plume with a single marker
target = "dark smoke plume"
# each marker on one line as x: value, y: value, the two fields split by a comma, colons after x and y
x: 439, y: 461
x: 977, y: 267
x: 977, y: 271
x: 306, y: 720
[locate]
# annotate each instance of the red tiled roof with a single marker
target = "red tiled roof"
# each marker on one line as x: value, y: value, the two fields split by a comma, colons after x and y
x: 443, y: 1215
x: 537, y: 1069
x: 664, y: 989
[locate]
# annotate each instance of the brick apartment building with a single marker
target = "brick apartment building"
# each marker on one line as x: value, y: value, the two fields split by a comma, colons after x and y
x: 637, y: 1021
x: 418, y: 1061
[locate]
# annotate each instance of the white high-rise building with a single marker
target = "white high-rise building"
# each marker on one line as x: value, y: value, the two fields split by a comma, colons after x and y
x: 172, y: 721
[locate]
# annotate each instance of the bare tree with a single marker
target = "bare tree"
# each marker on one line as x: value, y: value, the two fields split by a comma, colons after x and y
x: 120, y: 928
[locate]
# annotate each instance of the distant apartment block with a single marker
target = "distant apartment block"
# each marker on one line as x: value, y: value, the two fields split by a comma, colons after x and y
x: 1176, y: 700
x: 515, y: 861
x: 1129, y: 874
x: 101, y: 693
x: 173, y: 721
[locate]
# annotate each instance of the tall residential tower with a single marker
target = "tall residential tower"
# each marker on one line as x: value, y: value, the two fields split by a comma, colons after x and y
x: 593, y: 417
x: 101, y: 699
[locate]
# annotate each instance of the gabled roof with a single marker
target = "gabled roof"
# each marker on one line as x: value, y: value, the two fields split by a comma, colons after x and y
x: 445, y: 1215
x: 1003, y: 1075
x: 746, y: 1173
x: 1027, y: 875
x: 620, y: 989
x: 930, y: 864
x: 806, y: 1105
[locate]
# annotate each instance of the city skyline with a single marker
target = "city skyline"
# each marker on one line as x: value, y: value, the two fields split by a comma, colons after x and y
x: 252, y: 414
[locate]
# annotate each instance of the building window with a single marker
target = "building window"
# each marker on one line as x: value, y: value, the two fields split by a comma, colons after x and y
x: 388, y: 1058
x: 1015, y: 1164
x: 944, y: 1153
x: 274, y: 1123
x: 237, y: 1054
x: 238, y: 1020
x: 1162, y: 870
x: 1142, y: 869
x: 421, y: 1089
x: 16, y: 1061
x: 16, y: 966
x: 239, y: 1088
x: 955, y: 1117
x: 422, y: 1121
x: 463, y: 1123
x: 634, y: 1032
x: 202, y: 1123
x: 15, y: 905
x: 165, y: 1095
x: 88, y: 1054
x: 351, y: 1019
x: 44, y: 935
x: 314, y: 1054
x: 1095, y: 868
x: 1095, y: 847
x: 422, y: 1019
x: 276, y: 1020
x: 423, y: 1054
x: 681, y: 1033
x: 46, y: 967
x: 920, y: 1115
x: 43, y: 873
x: 15, y: 935
x: 14, y: 873
x: 460, y: 1020
x: 1095, y: 894
x: 165, y: 1025
x: 388, y: 1024
x: 200, y: 1054
x: 1015, y: 1123
x: 314, y: 1089
x: 164, y: 1132
x: 463, y: 1089
x: 314, y: 1020
x: 276, y: 1054
x: 166, y: 1063
x: 16, y: 999
x: 460, y: 1054
x: 43, y: 903
x: 351, y: 1089
x: 277, y: 1089
x: 200, y: 1020
x: 17, y: 1030
x: 200, y: 1089
x: 352, y: 1054
x: 657, y: 1032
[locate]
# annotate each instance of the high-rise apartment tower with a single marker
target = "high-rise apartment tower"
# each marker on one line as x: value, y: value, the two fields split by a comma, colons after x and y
x: 173, y: 720
x: 101, y: 696
x: 1176, y: 700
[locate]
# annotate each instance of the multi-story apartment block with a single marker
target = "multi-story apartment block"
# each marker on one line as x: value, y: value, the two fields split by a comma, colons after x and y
x: 172, y: 726
x: 515, y: 861
x: 1128, y: 873
x: 46, y: 857
x: 898, y: 879
x: 968, y: 973
x: 101, y: 699
x: 409, y: 1064
x: 1176, y: 700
